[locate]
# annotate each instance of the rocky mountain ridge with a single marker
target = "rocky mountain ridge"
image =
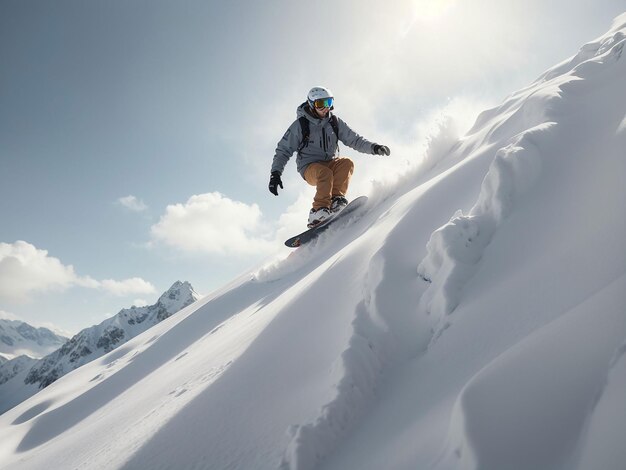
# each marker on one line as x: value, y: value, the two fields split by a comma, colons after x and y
x: 19, y: 338
x: 21, y: 378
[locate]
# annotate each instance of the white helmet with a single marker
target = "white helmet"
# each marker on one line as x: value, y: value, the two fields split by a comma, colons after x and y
x: 318, y: 93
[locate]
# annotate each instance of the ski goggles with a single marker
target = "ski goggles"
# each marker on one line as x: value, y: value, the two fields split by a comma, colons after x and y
x: 323, y: 103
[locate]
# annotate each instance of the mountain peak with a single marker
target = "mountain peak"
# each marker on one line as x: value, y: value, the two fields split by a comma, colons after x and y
x: 179, y: 296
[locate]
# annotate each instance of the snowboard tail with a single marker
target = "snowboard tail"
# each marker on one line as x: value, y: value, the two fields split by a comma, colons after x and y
x: 314, y: 232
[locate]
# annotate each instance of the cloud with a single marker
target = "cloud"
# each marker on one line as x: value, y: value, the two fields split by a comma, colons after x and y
x: 26, y: 270
x: 132, y: 203
x: 133, y: 286
x: 212, y: 224
x: 9, y: 316
x: 622, y: 126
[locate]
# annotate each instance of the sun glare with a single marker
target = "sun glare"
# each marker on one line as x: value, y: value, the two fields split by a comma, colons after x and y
x: 430, y: 10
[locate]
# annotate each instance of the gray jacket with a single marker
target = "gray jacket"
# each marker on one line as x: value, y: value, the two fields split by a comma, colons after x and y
x: 322, y: 145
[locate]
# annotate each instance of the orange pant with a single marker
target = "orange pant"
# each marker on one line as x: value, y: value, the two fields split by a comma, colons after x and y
x: 331, y: 179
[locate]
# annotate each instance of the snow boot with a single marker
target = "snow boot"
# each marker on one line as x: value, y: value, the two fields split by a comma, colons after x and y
x: 338, y: 203
x: 316, y: 217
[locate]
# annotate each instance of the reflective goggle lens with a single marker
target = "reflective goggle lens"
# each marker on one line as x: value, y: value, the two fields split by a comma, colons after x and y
x: 323, y: 103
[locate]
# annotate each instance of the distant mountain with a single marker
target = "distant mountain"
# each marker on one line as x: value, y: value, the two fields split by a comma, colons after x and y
x: 18, y: 338
x: 13, y: 367
x: 21, y: 378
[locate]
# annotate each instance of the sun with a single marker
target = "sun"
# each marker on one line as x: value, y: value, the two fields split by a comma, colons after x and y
x: 431, y: 10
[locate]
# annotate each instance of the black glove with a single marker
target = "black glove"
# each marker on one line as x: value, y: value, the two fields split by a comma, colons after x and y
x: 381, y: 149
x: 275, y: 182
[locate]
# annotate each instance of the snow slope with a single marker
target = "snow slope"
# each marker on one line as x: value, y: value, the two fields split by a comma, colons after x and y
x: 473, y: 317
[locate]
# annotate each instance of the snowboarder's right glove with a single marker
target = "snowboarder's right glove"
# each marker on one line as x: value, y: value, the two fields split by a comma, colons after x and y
x: 381, y: 149
x: 275, y: 182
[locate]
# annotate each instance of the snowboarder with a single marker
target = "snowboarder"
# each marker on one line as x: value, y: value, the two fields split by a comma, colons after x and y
x: 315, y: 136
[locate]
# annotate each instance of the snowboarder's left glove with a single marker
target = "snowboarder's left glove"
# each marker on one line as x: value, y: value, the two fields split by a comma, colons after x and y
x: 381, y: 149
x: 275, y: 182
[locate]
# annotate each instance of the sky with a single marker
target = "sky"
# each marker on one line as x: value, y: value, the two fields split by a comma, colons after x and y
x: 136, y: 137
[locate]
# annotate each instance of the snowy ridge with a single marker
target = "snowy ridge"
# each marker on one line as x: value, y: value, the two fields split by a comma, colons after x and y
x: 359, y: 367
x: 519, y: 391
x: 455, y: 249
x: 614, y: 39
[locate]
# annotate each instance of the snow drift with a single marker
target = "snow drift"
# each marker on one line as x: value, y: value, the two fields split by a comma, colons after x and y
x: 473, y: 317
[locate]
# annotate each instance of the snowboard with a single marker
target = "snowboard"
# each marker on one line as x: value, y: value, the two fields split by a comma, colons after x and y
x: 313, y: 233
